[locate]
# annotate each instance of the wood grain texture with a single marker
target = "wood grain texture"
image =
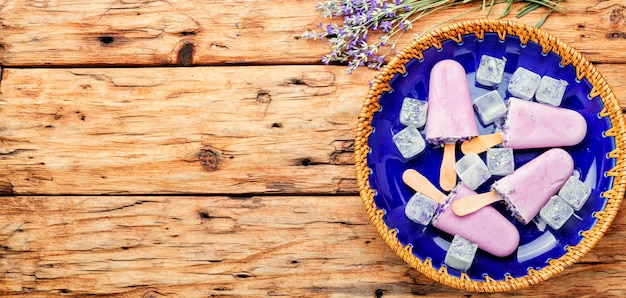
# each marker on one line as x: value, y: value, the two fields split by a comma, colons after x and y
x: 183, y: 32
x: 213, y: 130
x: 252, y: 246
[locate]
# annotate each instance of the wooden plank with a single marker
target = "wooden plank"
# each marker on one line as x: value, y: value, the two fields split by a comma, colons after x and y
x: 183, y: 32
x: 178, y: 130
x: 261, y: 245
x: 212, y: 130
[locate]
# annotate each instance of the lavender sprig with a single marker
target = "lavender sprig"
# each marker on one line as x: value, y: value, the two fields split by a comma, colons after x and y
x: 389, y: 20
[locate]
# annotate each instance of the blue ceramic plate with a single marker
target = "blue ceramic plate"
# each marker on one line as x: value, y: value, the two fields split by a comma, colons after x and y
x: 387, y: 165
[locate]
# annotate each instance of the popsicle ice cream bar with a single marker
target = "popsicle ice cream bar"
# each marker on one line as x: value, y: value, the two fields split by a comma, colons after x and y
x: 529, y: 125
x: 530, y: 187
x: 450, y: 115
x: 527, y: 189
x: 486, y: 227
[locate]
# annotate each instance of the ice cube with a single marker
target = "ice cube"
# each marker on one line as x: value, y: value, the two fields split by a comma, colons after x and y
x: 490, y: 71
x: 490, y: 107
x: 500, y: 161
x: 461, y: 253
x: 420, y: 208
x: 409, y: 142
x: 556, y: 212
x: 523, y: 83
x: 413, y: 112
x: 575, y: 192
x: 551, y: 91
x: 472, y: 170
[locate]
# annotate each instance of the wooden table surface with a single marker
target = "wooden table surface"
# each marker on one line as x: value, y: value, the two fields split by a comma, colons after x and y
x: 194, y: 148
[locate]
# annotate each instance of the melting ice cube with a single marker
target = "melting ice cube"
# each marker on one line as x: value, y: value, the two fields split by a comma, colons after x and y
x: 556, y: 212
x: 575, y: 192
x: 551, y: 91
x: 472, y: 170
x: 420, y: 209
x: 490, y: 71
x: 500, y: 161
x: 409, y: 142
x: 490, y: 107
x: 523, y: 83
x: 413, y: 112
x: 461, y: 253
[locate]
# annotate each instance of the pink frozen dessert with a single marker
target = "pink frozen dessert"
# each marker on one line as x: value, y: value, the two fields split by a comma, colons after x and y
x: 486, y: 227
x: 450, y: 117
x: 527, y: 189
x: 529, y: 125
x: 450, y: 113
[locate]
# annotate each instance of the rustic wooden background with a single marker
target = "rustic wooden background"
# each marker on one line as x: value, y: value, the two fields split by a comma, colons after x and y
x: 197, y: 148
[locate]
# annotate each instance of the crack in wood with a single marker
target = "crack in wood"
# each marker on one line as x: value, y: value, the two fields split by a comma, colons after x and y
x: 112, y: 81
x: 217, y: 45
x: 204, y: 215
x: 15, y: 152
x: 14, y: 231
x: 140, y: 202
x: 243, y: 275
x: 188, y: 33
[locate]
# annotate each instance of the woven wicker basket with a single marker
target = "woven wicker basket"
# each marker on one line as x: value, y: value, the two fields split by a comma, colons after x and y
x: 548, y: 43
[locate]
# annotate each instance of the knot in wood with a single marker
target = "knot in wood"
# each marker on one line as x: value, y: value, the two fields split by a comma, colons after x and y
x: 263, y: 96
x: 210, y: 159
x: 185, y: 54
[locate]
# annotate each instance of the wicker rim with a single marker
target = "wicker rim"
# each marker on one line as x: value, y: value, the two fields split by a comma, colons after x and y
x: 584, y: 69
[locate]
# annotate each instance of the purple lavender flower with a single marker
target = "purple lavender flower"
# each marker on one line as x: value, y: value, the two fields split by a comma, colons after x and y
x: 350, y: 39
x: 385, y: 26
x: 352, y: 65
x: 346, y: 10
x: 326, y: 59
x: 329, y: 29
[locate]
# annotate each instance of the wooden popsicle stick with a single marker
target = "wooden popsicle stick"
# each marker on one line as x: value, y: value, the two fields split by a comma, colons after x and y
x: 421, y: 184
x: 447, y: 175
x: 470, y: 204
x: 481, y: 143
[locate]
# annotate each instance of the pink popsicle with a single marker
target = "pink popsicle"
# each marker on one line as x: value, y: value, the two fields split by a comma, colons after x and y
x: 529, y: 125
x: 450, y: 117
x: 486, y: 227
x: 530, y: 187
x: 450, y: 113
x: 533, y: 125
x: 527, y: 189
